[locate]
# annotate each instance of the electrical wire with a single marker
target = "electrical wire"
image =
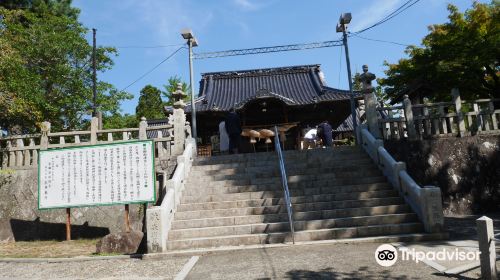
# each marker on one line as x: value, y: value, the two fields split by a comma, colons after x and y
x: 393, y: 14
x: 149, y: 47
x: 377, y: 40
x: 152, y: 69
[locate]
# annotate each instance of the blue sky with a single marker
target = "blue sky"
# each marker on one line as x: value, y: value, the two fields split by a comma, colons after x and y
x: 236, y: 24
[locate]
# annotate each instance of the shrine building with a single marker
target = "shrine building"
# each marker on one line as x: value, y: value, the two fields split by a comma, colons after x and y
x: 291, y: 98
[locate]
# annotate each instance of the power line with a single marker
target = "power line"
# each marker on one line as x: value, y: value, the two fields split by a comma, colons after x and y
x: 152, y: 69
x: 149, y: 47
x: 377, y: 40
x: 393, y: 14
x: 282, y: 48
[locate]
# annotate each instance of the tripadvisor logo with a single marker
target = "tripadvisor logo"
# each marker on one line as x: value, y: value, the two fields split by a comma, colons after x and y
x: 387, y: 255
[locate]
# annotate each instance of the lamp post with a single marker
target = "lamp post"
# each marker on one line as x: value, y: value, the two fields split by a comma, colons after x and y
x: 344, y: 20
x: 191, y: 42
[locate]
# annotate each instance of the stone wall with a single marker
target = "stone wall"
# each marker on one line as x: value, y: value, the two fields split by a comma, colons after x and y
x: 20, y: 219
x: 466, y: 169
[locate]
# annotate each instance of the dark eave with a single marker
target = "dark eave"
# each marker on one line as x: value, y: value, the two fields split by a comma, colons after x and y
x: 294, y: 85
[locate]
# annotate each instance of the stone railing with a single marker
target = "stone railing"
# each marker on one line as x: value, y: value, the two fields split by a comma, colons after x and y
x: 428, y: 120
x: 159, y: 218
x: 21, y: 152
x: 425, y: 201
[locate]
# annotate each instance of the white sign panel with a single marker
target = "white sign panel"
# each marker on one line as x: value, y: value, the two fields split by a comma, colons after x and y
x: 119, y: 173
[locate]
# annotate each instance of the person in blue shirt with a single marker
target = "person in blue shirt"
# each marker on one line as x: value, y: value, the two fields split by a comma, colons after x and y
x: 325, y: 133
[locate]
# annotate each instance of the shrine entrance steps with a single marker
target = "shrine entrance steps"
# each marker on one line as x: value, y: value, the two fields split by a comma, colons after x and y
x: 336, y: 193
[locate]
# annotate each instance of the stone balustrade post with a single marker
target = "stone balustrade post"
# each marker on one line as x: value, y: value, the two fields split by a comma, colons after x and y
x: 19, y: 154
x: 94, y: 127
x: 457, y: 101
x: 371, y: 114
x: 410, y: 123
x: 179, y: 121
x: 396, y: 168
x: 432, y: 209
x: 485, y: 235
x: 34, y: 157
x: 12, y: 155
x: 143, y: 124
x: 44, y: 139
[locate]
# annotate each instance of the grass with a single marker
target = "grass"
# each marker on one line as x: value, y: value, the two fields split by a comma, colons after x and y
x: 48, y: 249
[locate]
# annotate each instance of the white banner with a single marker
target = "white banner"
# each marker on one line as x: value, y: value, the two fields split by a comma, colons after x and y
x: 118, y: 173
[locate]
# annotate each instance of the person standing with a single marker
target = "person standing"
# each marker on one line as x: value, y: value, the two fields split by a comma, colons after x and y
x: 325, y: 133
x: 223, y: 138
x: 233, y: 128
x: 310, y: 138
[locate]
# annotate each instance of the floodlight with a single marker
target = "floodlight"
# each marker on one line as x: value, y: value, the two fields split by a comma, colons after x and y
x: 345, y: 18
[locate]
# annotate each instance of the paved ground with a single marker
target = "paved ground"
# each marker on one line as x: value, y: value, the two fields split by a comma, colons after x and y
x: 318, y: 261
x: 332, y: 261
x: 164, y: 268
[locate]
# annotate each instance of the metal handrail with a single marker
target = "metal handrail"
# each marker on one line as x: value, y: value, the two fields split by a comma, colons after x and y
x: 284, y: 182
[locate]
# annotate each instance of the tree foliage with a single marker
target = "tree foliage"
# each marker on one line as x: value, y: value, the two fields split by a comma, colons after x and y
x: 118, y: 120
x: 172, y: 86
x: 45, y: 67
x: 462, y: 53
x: 150, y: 103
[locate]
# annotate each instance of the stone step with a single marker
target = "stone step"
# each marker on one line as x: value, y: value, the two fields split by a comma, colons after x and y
x: 283, y: 217
x: 299, y: 181
x: 305, y: 174
x: 273, y: 155
x: 266, y: 172
x: 275, y: 209
x: 337, y: 161
x: 298, y: 226
x: 307, y: 235
x: 279, y: 194
x: 295, y: 189
x: 298, y: 204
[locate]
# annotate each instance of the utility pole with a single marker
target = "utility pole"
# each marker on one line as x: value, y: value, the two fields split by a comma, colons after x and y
x: 345, y: 19
x: 95, y: 113
x: 94, y: 85
x: 192, y: 42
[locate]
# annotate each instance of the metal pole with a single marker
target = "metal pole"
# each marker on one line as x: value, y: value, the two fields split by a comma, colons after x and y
x: 191, y: 85
x: 94, y: 85
x: 353, y: 106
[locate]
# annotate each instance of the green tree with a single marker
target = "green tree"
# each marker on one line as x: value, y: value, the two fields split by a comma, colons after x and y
x: 118, y: 120
x: 150, y: 104
x: 45, y: 69
x: 463, y: 53
x: 172, y: 86
x: 54, y: 7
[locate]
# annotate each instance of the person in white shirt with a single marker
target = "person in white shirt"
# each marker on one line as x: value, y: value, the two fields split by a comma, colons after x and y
x: 310, y: 138
x: 224, y: 138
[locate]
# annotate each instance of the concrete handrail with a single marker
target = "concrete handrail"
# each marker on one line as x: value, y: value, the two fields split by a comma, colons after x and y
x: 159, y: 218
x: 425, y: 201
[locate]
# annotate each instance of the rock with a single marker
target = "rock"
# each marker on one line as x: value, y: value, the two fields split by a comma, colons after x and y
x: 120, y: 242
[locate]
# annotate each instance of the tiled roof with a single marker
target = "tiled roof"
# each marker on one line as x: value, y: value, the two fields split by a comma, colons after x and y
x: 347, y: 125
x: 294, y: 85
x: 151, y: 134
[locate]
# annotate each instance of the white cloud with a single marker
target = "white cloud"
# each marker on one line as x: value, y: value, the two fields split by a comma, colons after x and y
x: 252, y: 5
x: 166, y: 19
x: 373, y: 13
x: 246, y: 4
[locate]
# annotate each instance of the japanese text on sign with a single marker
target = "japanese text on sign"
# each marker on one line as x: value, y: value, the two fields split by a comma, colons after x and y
x: 119, y: 173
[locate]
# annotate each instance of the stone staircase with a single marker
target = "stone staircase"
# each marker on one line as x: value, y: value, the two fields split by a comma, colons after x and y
x: 336, y: 193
